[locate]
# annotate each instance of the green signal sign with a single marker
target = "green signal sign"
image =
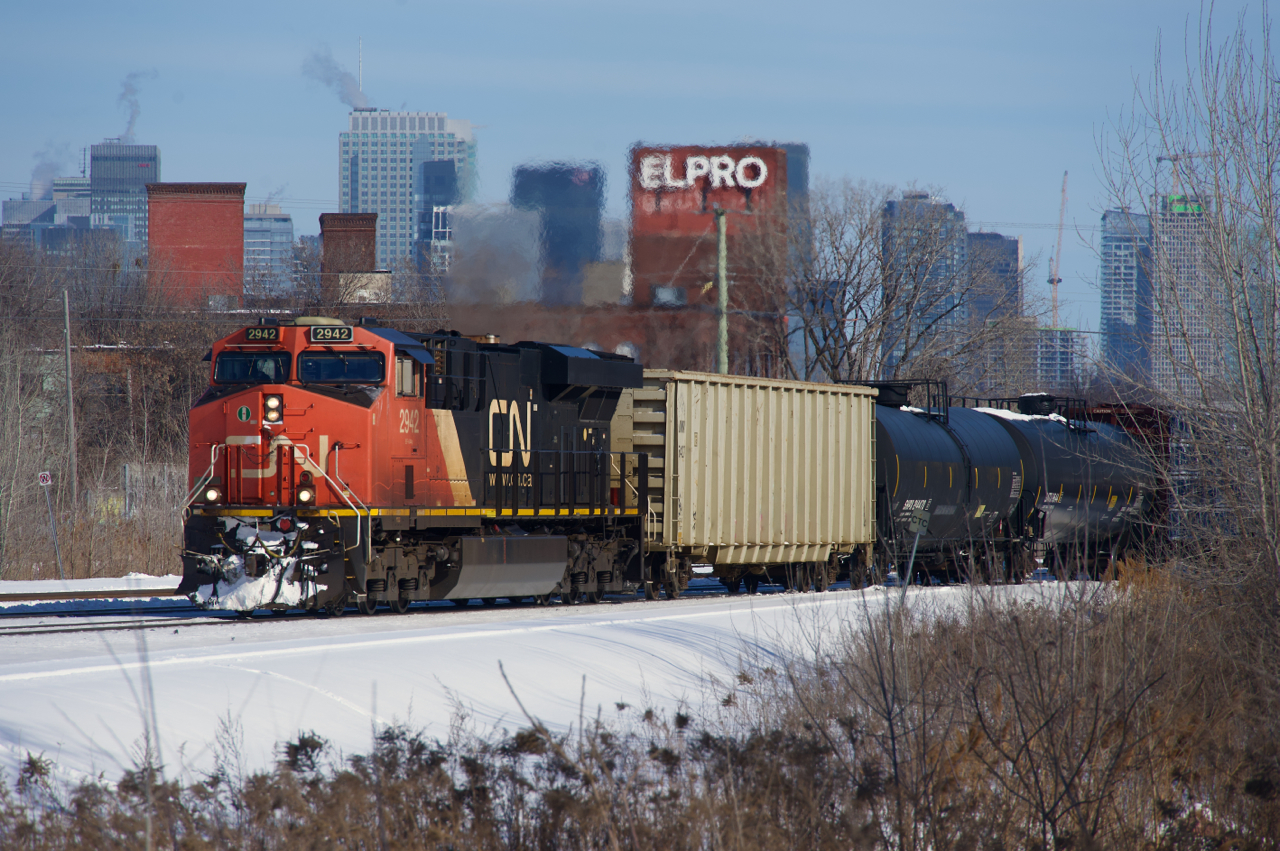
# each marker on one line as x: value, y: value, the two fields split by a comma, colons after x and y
x: 243, y: 414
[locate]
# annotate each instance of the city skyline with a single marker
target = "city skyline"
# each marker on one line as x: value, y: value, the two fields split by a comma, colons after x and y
x: 976, y: 104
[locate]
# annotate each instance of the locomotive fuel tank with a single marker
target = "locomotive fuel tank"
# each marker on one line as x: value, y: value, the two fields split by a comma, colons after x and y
x: 959, y: 466
x: 1087, y: 483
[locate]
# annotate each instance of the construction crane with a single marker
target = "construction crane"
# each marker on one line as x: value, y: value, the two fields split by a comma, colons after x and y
x: 1174, y: 159
x: 1055, y: 262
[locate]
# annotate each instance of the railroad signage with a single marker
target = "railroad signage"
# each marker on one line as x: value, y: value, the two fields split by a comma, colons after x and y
x: 46, y: 479
x: 243, y: 414
x: 332, y: 334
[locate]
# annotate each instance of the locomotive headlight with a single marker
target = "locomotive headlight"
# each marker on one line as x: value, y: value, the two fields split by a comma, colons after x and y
x: 306, y: 496
x: 274, y: 406
x: 212, y: 494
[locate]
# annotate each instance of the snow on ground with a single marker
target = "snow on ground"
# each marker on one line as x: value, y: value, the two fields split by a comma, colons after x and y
x: 81, y: 698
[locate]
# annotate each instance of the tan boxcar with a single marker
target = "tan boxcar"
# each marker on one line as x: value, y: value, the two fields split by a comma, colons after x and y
x: 752, y: 471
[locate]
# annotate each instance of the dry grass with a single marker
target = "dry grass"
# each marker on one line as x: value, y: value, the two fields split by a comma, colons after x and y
x: 1143, y: 717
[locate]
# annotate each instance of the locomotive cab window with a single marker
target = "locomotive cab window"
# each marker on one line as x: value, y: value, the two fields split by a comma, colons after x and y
x: 341, y: 367
x: 251, y: 368
x: 408, y: 376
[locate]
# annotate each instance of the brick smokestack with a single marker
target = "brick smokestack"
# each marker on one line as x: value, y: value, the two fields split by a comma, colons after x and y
x: 195, y: 246
x: 349, y: 242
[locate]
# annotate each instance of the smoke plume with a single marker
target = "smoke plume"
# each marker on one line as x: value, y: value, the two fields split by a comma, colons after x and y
x: 49, y: 162
x: 321, y: 66
x: 129, y: 100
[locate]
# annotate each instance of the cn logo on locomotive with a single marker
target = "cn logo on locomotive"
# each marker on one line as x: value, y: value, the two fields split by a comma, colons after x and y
x: 504, y: 440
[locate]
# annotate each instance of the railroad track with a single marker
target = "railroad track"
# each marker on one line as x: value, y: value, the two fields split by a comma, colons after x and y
x: 127, y: 617
x: 59, y: 596
x: 209, y: 619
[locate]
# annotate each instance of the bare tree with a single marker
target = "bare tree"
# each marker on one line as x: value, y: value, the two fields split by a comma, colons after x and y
x: 879, y: 287
x: 1200, y: 155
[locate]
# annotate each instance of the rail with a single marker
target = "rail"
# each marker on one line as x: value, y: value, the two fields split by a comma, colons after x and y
x: 59, y: 596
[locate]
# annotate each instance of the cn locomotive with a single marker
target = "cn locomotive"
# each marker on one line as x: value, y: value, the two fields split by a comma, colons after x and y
x: 335, y: 464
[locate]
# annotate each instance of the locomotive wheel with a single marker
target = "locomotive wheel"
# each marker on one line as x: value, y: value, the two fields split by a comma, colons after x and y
x: 399, y: 605
x: 574, y: 597
x: 594, y: 597
x: 335, y: 608
x: 542, y: 599
x: 367, y: 606
x: 650, y: 591
x: 671, y: 590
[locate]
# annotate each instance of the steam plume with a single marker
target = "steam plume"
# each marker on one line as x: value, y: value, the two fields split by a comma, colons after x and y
x: 129, y: 100
x: 49, y: 162
x: 321, y: 66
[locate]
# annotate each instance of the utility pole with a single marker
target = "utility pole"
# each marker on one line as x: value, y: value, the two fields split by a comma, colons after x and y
x: 1055, y: 263
x: 722, y: 296
x: 71, y: 401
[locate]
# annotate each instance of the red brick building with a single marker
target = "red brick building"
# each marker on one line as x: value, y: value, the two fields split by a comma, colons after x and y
x: 195, y: 247
x: 675, y: 192
x: 349, y: 242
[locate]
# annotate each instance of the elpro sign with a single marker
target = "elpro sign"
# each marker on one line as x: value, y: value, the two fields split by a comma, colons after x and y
x: 659, y: 171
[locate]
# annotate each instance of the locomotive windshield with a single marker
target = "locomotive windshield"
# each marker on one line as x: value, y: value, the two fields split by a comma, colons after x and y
x: 341, y: 367
x: 251, y: 368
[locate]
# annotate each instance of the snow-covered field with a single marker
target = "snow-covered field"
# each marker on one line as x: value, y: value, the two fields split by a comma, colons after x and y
x: 82, y: 699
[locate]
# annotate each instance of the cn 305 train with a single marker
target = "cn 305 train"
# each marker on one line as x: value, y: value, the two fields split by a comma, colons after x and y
x: 334, y: 464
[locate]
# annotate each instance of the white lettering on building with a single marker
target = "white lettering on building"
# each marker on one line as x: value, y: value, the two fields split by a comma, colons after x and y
x: 657, y: 171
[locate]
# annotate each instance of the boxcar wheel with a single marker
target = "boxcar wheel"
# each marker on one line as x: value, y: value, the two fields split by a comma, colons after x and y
x: 733, y: 586
x: 650, y: 592
x: 399, y: 606
x: 367, y: 606
x: 671, y: 590
x: 753, y: 583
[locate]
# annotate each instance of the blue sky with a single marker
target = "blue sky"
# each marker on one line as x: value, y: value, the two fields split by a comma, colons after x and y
x: 988, y: 102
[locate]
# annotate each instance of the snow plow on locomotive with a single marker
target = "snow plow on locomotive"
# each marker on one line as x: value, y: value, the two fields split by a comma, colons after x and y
x: 333, y: 463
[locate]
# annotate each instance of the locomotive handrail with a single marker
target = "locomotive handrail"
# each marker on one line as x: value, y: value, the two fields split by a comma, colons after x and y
x: 590, y: 487
x: 205, y: 477
x: 347, y: 495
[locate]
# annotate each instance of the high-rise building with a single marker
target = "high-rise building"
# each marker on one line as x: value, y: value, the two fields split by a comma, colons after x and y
x: 1125, y: 278
x: 435, y: 192
x: 1185, y: 306
x: 995, y: 265
x: 268, y: 247
x: 377, y: 160
x: 118, y: 178
x: 926, y: 251
x: 569, y: 199
x: 1062, y: 359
